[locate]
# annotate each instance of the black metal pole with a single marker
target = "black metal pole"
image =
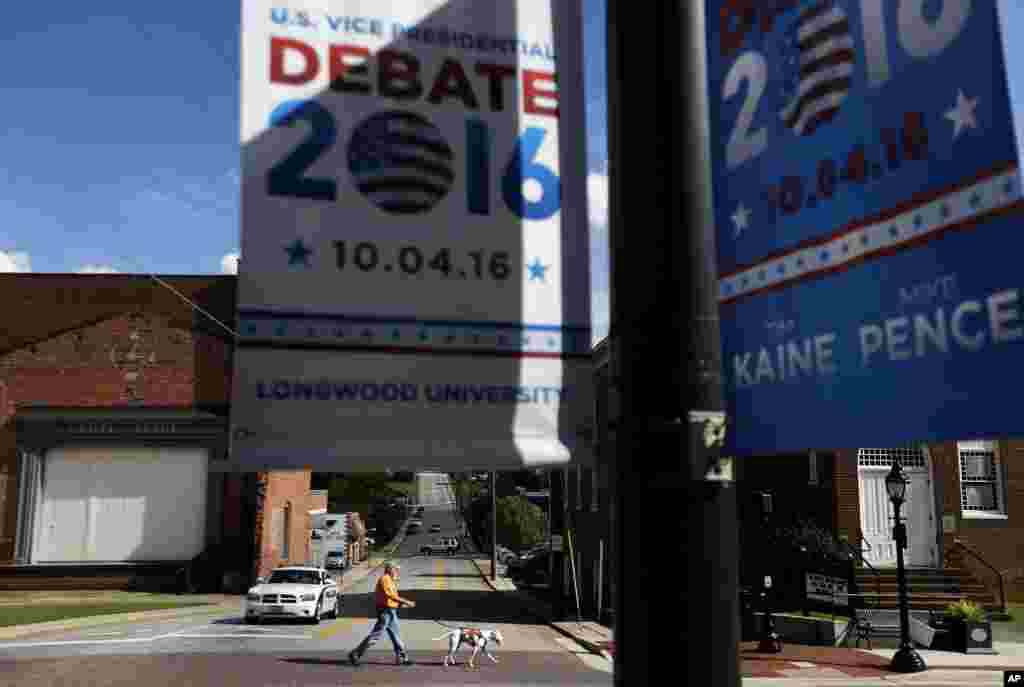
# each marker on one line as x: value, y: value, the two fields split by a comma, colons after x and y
x: 770, y: 641
x: 901, y: 582
x: 494, y: 525
x: 906, y: 659
x: 666, y: 357
x: 557, y: 498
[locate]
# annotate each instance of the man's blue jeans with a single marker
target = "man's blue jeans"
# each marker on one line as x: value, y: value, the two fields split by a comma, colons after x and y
x: 387, y: 621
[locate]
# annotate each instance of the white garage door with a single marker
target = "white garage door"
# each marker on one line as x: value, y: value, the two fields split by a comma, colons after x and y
x: 122, y: 504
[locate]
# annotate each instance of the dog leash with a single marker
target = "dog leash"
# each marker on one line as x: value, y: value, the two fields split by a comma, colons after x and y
x: 450, y: 627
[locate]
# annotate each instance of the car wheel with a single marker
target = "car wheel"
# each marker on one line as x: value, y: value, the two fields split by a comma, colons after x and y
x: 335, y: 610
x: 316, y: 614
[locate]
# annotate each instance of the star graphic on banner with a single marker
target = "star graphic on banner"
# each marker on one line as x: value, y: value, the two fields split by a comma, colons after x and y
x: 741, y: 218
x: 298, y: 254
x: 537, y: 270
x: 962, y: 114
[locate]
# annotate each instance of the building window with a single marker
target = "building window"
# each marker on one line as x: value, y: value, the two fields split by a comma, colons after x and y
x: 910, y: 457
x: 277, y: 535
x: 981, y: 488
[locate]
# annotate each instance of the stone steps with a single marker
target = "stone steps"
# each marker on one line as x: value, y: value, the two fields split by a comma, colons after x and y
x: 927, y: 588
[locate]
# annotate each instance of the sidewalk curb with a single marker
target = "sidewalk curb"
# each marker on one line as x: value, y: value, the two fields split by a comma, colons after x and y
x: 373, y: 563
x: 589, y: 646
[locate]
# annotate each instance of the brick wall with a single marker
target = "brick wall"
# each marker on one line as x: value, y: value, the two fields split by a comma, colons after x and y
x: 105, y: 341
x: 286, y: 491
x: 1000, y: 541
x: 846, y: 495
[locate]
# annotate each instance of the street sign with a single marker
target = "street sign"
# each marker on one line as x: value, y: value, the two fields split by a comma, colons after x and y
x: 821, y: 587
x: 415, y: 287
x: 867, y: 201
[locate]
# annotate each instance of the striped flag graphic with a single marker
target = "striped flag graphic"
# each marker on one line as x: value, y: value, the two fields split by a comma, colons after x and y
x: 818, y: 62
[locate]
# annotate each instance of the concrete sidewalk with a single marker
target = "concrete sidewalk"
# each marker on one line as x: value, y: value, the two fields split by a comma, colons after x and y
x: 799, y: 665
x: 594, y: 637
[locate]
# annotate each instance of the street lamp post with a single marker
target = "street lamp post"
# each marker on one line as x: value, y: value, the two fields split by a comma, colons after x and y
x: 906, y: 659
x: 770, y: 641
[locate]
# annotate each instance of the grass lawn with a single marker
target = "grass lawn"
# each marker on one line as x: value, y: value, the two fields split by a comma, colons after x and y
x: 44, y: 613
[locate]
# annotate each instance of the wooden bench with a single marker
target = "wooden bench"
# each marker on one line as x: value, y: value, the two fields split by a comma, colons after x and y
x: 885, y: 622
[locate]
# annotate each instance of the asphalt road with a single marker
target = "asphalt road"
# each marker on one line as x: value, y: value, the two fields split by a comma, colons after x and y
x: 220, y: 649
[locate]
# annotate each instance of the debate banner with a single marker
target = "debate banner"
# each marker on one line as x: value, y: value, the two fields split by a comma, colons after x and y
x: 867, y: 211
x: 414, y: 282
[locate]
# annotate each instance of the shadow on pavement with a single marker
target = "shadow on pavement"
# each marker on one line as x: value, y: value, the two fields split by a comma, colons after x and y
x: 266, y: 621
x: 473, y: 575
x: 385, y: 659
x: 480, y: 608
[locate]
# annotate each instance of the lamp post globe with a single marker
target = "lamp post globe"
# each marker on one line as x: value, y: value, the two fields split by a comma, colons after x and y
x: 906, y: 659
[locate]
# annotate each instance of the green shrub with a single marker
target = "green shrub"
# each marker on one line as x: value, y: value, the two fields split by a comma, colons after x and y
x: 966, y: 611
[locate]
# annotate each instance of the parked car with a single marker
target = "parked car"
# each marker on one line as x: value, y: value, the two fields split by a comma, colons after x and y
x: 414, y: 526
x: 302, y: 592
x: 504, y: 555
x: 533, y: 571
x: 442, y: 545
x: 435, y: 528
x: 335, y: 560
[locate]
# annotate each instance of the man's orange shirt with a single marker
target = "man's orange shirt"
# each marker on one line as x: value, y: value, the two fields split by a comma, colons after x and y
x: 387, y: 592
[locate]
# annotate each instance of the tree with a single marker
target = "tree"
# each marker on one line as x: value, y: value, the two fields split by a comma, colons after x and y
x: 364, y: 493
x: 520, y: 524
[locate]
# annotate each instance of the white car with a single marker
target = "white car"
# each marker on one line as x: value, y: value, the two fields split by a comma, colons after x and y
x: 294, y: 592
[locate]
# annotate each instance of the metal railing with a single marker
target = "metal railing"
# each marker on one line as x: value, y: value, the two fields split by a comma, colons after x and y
x: 968, y: 549
x: 856, y: 551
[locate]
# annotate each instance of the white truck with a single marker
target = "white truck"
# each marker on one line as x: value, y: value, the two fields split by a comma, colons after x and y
x: 441, y: 545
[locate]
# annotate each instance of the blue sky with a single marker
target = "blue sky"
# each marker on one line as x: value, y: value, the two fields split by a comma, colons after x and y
x: 120, y: 136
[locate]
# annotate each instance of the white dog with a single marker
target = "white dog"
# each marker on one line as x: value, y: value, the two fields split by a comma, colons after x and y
x: 479, y: 639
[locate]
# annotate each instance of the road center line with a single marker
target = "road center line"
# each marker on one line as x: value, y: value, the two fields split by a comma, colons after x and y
x: 439, y: 577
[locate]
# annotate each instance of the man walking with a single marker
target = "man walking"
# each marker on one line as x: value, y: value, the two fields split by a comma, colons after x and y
x: 388, y: 602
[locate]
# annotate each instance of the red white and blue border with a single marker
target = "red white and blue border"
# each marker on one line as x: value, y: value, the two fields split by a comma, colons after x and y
x: 276, y: 329
x: 922, y: 219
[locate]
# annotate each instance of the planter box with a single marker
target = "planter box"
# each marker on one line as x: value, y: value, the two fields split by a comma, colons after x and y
x: 972, y: 638
x: 795, y: 629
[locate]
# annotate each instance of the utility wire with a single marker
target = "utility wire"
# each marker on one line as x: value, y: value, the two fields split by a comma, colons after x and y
x: 195, y: 306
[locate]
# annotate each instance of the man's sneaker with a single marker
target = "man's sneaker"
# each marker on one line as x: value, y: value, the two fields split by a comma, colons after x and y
x: 402, y: 661
x: 353, y: 658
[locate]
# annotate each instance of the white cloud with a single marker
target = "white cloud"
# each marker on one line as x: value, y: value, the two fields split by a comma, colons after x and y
x: 14, y: 262
x: 597, y: 198
x: 97, y: 269
x: 229, y: 264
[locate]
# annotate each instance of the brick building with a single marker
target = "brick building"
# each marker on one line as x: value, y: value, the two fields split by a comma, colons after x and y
x: 969, y: 491
x: 113, y: 404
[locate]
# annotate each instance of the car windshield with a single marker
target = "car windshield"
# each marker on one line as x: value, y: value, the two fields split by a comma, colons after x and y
x: 293, y: 577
